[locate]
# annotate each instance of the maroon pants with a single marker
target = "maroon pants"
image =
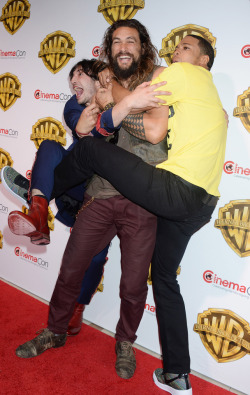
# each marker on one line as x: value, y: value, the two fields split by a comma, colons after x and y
x: 95, y: 227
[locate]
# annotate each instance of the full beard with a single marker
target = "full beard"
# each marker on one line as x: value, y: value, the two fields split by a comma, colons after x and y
x: 124, y: 74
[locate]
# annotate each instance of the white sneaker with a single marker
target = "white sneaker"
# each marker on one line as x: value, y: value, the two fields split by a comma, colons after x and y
x: 175, y: 384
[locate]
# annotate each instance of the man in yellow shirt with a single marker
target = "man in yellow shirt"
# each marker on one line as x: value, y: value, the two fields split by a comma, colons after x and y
x: 182, y: 191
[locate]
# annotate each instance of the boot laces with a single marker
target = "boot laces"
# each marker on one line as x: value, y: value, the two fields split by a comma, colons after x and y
x: 44, y: 336
x: 126, y: 348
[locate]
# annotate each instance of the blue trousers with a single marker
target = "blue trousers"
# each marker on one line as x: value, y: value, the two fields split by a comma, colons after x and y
x: 49, y: 155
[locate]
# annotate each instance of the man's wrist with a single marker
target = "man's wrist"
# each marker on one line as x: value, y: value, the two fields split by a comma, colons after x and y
x: 108, y: 106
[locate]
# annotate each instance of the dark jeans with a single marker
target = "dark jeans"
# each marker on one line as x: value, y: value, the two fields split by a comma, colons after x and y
x: 95, y: 227
x: 182, y: 209
x: 93, y: 276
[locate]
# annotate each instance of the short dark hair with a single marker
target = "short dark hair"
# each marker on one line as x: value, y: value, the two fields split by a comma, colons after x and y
x: 205, y: 48
x: 90, y: 67
x: 149, y: 56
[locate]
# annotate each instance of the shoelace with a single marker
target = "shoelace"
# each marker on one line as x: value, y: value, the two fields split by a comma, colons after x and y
x: 43, y: 335
x: 126, y: 348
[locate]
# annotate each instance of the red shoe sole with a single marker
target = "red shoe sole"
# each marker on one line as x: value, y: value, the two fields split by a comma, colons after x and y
x: 40, y: 239
x: 19, y: 225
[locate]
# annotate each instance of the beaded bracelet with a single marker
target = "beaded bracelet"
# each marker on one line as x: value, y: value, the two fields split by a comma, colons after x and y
x: 108, y: 106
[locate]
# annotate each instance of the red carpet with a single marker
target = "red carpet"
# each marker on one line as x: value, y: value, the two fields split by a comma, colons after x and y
x: 85, y: 365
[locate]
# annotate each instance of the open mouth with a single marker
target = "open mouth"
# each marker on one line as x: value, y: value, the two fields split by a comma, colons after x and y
x: 124, y: 59
x: 78, y: 91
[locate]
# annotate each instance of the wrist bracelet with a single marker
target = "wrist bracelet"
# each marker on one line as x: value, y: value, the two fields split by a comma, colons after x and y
x: 108, y: 106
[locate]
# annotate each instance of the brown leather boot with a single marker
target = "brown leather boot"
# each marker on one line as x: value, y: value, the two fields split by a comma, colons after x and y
x: 34, y: 224
x: 75, y: 323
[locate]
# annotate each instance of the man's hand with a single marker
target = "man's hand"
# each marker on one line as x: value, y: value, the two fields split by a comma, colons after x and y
x: 104, y: 96
x: 145, y: 96
x: 87, y: 120
x: 105, y: 77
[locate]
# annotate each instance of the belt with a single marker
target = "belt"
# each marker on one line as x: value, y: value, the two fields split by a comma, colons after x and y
x: 209, y: 200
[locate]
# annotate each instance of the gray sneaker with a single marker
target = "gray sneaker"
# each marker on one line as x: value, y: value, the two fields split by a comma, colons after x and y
x: 15, y: 183
x: 125, y: 361
x: 41, y: 343
x: 175, y: 384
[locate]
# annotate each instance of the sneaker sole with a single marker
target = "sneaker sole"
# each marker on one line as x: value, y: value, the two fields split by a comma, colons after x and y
x: 169, y: 389
x: 6, y: 186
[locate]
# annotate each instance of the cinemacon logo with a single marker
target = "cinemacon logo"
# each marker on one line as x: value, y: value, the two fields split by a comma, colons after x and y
x: 3, y: 209
x: 12, y: 54
x: 30, y: 258
x: 233, y: 168
x: 211, y: 278
x: 38, y: 94
x: 9, y: 132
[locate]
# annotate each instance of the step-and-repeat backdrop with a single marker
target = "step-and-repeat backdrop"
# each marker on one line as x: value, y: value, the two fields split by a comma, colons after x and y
x: 39, y: 44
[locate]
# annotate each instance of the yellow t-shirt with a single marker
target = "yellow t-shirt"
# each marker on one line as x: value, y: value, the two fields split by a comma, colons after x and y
x: 198, y: 127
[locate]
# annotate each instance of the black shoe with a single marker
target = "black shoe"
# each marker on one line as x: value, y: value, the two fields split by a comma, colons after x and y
x: 41, y: 343
x: 175, y: 384
x: 125, y: 361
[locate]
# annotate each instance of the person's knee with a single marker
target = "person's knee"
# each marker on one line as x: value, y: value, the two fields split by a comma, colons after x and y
x: 133, y: 290
x: 48, y: 144
x: 52, y: 150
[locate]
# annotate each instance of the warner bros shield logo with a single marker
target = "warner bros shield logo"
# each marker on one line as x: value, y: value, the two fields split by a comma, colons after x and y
x: 234, y: 224
x: 176, y: 35
x: 48, y: 129
x: 14, y: 14
x: 10, y: 90
x: 56, y: 50
x: 243, y: 109
x: 5, y: 159
x: 225, y: 335
x: 119, y: 9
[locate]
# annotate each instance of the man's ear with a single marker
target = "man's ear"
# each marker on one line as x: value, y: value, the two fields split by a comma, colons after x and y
x: 204, y: 59
x: 97, y: 84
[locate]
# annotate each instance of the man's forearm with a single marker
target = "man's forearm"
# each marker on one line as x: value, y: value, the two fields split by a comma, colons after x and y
x: 133, y: 124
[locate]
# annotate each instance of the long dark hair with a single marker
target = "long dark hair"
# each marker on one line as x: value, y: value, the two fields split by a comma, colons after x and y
x: 149, y: 55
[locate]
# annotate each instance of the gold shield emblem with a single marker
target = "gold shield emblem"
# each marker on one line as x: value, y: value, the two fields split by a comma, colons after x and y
x: 234, y: 223
x: 100, y: 287
x: 113, y: 10
x: 225, y: 335
x: 5, y: 159
x: 48, y: 129
x: 176, y: 35
x: 10, y: 90
x: 243, y: 109
x: 149, y: 280
x: 56, y: 50
x: 14, y: 14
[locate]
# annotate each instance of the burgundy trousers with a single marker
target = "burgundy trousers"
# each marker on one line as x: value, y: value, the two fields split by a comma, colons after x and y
x: 95, y: 227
